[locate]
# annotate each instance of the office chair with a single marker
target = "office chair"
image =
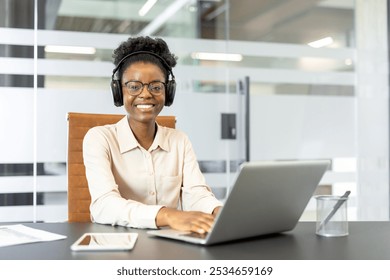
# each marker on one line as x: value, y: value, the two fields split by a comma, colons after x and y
x: 79, y: 198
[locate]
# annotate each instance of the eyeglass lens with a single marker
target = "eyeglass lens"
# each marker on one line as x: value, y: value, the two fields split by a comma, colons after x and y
x: 136, y: 87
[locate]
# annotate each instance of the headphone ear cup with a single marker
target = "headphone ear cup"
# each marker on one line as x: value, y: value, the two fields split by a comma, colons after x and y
x: 170, y: 94
x: 116, y: 91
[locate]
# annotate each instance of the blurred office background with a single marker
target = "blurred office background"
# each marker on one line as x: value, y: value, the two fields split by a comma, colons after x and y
x: 315, y: 73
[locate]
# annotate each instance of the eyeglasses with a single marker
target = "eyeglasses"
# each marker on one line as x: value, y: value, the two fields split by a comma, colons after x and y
x: 135, y: 87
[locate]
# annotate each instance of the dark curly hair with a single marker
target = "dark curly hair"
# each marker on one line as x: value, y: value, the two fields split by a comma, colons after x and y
x: 136, y: 44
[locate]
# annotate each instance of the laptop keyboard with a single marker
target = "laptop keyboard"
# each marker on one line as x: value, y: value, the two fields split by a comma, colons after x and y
x: 196, y: 235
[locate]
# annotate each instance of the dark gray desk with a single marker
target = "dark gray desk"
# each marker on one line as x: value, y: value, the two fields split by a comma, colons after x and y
x: 366, y: 241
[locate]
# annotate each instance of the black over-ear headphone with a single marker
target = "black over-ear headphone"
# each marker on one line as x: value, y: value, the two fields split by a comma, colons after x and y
x: 116, y: 87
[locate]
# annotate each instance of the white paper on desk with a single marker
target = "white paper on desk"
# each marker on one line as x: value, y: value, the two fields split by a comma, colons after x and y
x: 20, y: 234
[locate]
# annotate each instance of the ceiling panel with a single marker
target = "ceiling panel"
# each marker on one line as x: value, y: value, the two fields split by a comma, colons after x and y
x: 286, y: 21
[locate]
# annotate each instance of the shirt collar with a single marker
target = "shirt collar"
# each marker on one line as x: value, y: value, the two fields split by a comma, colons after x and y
x: 161, y: 140
x: 127, y: 140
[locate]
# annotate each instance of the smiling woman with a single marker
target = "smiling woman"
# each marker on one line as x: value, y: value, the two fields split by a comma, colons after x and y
x: 141, y: 174
x: 142, y: 105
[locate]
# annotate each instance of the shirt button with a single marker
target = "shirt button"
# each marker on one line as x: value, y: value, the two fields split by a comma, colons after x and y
x: 152, y: 193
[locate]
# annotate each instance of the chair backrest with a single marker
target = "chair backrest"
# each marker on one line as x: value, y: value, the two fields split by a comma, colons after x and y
x: 79, y: 198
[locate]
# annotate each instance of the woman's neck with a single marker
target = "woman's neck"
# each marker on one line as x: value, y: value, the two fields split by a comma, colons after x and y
x: 144, y: 132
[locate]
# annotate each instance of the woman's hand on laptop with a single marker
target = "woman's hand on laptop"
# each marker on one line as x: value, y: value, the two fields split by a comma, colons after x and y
x: 216, y: 211
x: 193, y: 221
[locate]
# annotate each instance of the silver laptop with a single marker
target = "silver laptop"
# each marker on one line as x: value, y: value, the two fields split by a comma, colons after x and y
x: 266, y: 198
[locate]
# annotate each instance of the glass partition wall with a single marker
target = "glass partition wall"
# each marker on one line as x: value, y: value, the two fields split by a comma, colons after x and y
x: 301, y: 59
x: 17, y: 124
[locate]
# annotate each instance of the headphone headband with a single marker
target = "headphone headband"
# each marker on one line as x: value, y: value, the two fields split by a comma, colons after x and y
x: 167, y: 67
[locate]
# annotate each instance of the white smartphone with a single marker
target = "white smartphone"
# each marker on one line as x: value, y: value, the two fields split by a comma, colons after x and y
x: 105, y: 241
